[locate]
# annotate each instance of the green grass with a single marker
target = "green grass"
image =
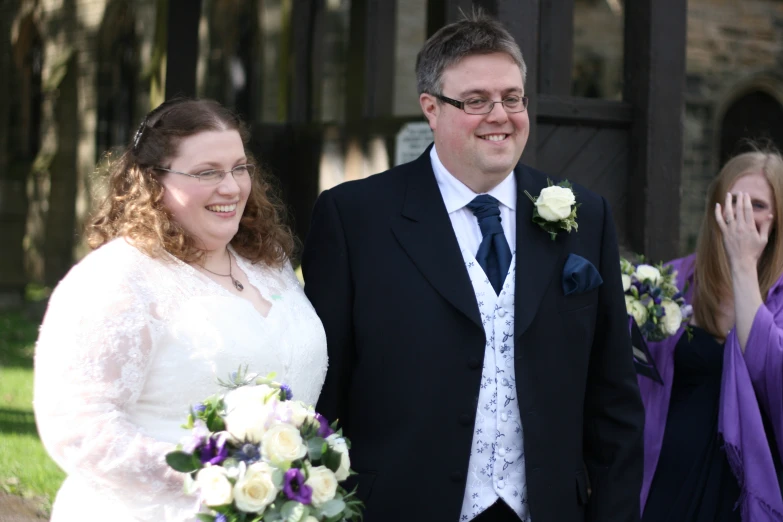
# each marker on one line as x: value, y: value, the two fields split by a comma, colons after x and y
x: 25, y: 468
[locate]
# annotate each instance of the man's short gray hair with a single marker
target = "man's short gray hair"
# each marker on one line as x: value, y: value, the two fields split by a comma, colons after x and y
x: 477, y: 34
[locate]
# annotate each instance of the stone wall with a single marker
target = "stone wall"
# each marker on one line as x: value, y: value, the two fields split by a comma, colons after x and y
x: 734, y: 47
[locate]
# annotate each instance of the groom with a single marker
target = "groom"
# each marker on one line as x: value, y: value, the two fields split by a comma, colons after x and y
x: 482, y: 370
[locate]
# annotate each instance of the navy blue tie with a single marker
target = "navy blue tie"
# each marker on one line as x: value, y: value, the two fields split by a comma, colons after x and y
x: 494, y: 254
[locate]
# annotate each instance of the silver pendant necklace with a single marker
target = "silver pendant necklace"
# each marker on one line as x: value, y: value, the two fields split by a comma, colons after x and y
x: 239, y: 286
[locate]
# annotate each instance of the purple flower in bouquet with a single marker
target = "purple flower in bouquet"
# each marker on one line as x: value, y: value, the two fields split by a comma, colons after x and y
x: 286, y: 389
x: 199, y: 408
x: 215, y: 450
x: 325, y: 430
x: 294, y: 487
x: 221, y: 518
x: 198, y: 437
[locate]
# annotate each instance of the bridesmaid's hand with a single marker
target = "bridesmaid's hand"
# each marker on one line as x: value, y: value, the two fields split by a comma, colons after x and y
x: 743, y: 240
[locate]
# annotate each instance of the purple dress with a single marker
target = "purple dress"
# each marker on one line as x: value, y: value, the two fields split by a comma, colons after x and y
x: 751, y: 395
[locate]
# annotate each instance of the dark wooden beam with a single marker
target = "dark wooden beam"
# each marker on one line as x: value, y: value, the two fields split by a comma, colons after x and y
x: 442, y: 12
x: 654, y: 84
x: 355, y: 66
x: 182, y: 47
x: 555, y: 55
x: 521, y: 19
x: 379, y: 61
x: 571, y: 110
x: 370, y: 75
x: 305, y: 15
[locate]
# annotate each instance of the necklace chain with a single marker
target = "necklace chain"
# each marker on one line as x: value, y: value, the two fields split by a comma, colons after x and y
x: 239, y: 286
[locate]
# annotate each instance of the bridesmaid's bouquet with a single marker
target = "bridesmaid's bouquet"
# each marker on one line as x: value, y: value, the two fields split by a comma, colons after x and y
x: 653, y: 300
x: 254, y: 454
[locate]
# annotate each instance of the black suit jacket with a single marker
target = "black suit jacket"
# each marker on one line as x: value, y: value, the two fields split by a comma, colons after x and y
x: 384, y: 272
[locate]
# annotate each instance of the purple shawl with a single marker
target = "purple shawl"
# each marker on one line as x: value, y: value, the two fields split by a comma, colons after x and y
x: 748, y: 383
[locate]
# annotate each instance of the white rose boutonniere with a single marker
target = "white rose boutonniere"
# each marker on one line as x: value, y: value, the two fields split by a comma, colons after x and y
x: 555, y: 208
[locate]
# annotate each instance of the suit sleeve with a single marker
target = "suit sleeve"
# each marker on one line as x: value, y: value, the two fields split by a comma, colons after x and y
x: 613, y: 415
x: 329, y: 286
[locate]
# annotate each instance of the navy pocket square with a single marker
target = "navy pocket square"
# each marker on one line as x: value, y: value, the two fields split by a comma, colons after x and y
x: 579, y: 275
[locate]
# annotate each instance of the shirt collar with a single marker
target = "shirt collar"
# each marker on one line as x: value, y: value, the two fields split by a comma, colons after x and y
x: 456, y: 194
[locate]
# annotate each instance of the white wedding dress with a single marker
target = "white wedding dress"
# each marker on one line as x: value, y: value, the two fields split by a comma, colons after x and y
x: 127, y: 345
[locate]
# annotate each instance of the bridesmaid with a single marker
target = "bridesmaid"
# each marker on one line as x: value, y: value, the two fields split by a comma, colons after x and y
x: 714, y: 429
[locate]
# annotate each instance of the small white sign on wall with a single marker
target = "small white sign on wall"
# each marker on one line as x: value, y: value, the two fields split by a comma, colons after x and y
x: 411, y: 141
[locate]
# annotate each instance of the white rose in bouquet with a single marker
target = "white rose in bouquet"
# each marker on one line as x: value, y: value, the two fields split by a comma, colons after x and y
x: 636, y: 309
x: 324, y: 485
x: 256, y: 490
x: 296, y: 412
x: 339, y: 445
x: 672, y: 318
x: 248, y: 421
x: 648, y: 273
x: 214, y: 486
x: 626, y: 282
x: 258, y: 395
x: 282, y: 443
x: 554, y: 203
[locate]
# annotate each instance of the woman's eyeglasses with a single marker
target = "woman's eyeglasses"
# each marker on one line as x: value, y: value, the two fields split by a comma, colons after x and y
x: 215, y: 176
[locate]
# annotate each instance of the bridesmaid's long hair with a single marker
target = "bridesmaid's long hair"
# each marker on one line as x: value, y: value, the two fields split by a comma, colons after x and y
x: 712, y: 274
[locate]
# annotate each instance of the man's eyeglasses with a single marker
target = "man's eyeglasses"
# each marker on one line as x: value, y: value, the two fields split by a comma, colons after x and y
x: 213, y: 177
x: 485, y: 106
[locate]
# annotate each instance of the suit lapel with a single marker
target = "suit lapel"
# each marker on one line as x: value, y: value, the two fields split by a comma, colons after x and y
x: 537, y: 254
x: 425, y: 232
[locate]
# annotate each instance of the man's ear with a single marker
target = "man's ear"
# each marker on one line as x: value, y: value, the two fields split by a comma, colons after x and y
x: 430, y: 108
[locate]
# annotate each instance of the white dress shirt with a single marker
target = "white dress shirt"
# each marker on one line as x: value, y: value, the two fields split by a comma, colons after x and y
x: 456, y: 195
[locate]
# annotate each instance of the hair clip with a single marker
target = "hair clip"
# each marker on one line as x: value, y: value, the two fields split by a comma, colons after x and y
x: 139, y: 134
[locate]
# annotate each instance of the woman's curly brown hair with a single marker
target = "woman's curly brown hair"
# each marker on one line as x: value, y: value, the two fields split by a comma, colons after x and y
x: 133, y: 207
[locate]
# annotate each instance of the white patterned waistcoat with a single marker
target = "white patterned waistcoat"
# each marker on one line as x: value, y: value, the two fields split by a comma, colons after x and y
x: 497, y: 461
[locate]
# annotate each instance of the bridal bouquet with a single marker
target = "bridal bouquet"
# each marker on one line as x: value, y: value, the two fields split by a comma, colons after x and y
x: 254, y: 454
x: 653, y: 299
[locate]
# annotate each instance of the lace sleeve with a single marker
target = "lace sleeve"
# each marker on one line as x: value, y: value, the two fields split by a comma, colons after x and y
x: 91, y: 362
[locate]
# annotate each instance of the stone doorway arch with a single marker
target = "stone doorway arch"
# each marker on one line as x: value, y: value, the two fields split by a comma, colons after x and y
x: 756, y: 115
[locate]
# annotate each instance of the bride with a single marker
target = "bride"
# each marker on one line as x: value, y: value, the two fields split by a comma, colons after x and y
x: 190, y: 278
